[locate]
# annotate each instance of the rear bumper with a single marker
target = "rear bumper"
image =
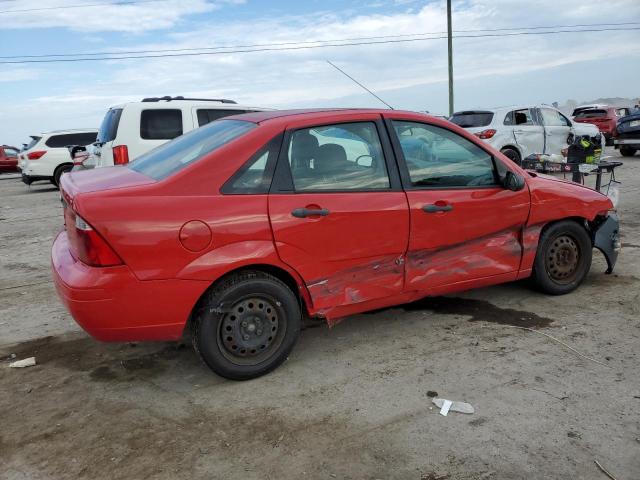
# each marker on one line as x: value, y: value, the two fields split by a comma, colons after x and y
x: 112, y: 305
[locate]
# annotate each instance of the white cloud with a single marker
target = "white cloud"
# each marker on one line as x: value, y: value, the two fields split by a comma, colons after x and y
x: 98, y: 17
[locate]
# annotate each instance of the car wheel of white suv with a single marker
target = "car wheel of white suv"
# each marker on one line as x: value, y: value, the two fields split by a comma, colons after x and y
x: 512, y: 155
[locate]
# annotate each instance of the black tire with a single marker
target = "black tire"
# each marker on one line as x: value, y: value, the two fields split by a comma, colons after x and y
x: 626, y: 151
x: 563, y: 258
x: 246, y: 325
x: 512, y: 154
x: 58, y: 173
x: 608, y: 141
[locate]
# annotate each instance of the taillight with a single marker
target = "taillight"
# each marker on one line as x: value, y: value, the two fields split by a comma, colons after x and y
x: 486, y: 133
x: 36, y: 155
x: 90, y: 247
x: 120, y: 155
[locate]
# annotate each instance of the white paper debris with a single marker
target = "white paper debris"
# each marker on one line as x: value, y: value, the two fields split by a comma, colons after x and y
x: 446, y: 405
x: 460, y: 407
x: 27, y: 362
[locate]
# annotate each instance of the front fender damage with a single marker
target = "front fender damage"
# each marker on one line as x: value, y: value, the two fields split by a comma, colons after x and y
x: 606, y: 238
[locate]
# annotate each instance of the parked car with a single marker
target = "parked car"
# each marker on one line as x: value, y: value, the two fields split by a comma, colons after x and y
x: 47, y: 156
x: 627, y: 138
x: 134, y: 128
x: 8, y: 159
x: 522, y: 131
x: 605, y: 118
x: 240, y: 228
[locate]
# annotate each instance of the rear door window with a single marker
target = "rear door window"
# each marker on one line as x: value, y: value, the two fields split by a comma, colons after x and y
x: 109, y: 128
x: 472, y: 119
x: 160, y: 124
x: 64, y: 140
x: 208, y: 115
x: 520, y: 117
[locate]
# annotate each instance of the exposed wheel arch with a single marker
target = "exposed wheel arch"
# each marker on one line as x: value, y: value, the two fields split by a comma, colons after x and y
x: 57, y: 173
x: 280, y: 273
x: 515, y: 156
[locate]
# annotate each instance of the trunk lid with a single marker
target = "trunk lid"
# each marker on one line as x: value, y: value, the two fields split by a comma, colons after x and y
x: 101, y: 179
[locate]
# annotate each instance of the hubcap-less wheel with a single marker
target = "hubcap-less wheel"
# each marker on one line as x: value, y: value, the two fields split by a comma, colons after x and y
x: 251, y: 330
x: 563, y: 259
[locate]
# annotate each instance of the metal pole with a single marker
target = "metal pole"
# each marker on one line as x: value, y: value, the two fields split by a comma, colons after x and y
x: 450, y: 47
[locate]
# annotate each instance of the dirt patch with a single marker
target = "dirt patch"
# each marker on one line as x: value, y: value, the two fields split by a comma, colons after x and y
x: 480, y: 311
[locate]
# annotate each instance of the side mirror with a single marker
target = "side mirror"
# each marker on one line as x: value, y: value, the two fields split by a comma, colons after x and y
x: 513, y: 181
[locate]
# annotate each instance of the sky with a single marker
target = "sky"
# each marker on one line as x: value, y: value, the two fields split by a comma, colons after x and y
x: 488, y: 71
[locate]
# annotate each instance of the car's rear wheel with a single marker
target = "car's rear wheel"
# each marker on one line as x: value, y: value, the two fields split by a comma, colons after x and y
x: 563, y: 258
x: 512, y: 154
x: 246, y: 325
x: 627, y: 151
x: 59, y: 172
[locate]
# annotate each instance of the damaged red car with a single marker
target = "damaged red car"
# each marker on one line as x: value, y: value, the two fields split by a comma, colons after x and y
x: 239, y: 229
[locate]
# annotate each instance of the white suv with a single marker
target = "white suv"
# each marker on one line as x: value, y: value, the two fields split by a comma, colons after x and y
x: 46, y: 157
x: 521, y: 131
x: 134, y: 128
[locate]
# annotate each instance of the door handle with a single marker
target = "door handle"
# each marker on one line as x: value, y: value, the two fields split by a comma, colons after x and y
x: 437, y: 208
x: 309, y: 212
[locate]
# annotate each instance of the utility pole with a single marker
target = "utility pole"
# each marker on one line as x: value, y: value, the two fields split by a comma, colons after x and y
x: 450, y: 45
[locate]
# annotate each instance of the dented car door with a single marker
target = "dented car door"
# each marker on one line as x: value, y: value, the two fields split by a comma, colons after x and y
x: 465, y: 226
x: 338, y: 213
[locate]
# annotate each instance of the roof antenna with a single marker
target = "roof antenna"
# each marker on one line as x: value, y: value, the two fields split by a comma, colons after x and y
x: 358, y: 83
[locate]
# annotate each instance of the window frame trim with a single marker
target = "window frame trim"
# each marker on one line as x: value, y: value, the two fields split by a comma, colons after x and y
x: 404, y: 170
x: 282, y: 182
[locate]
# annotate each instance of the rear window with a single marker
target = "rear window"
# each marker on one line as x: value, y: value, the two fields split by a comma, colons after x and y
x: 208, y: 115
x: 61, y: 141
x: 109, y: 127
x: 472, y: 119
x: 32, y: 143
x: 167, y: 159
x: 591, y: 113
x: 161, y: 124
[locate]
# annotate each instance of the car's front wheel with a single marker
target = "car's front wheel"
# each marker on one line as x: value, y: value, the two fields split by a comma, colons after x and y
x: 246, y: 325
x: 563, y: 258
x: 627, y: 151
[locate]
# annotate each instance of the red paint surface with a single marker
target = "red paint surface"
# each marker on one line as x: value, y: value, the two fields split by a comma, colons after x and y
x: 8, y: 163
x: 178, y: 236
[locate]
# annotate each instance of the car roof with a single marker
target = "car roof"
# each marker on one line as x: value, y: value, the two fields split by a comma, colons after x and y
x: 67, y: 131
x: 318, y: 113
x: 186, y: 103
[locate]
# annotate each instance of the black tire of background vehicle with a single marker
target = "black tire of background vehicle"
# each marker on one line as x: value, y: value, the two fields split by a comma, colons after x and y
x: 563, y: 258
x: 626, y: 151
x: 608, y: 141
x: 512, y: 155
x: 58, y: 173
x: 219, y: 308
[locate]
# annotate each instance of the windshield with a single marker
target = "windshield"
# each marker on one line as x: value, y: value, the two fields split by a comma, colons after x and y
x: 109, y: 127
x: 173, y: 156
x: 591, y: 113
x: 472, y: 119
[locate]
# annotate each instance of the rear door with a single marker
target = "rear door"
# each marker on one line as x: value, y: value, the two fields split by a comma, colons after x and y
x: 557, y: 128
x: 338, y: 213
x: 464, y: 225
x: 527, y: 131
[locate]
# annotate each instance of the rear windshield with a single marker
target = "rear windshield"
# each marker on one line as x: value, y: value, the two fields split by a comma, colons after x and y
x: 591, y: 113
x: 167, y: 159
x: 32, y: 143
x: 472, y: 119
x: 68, y: 139
x: 109, y: 127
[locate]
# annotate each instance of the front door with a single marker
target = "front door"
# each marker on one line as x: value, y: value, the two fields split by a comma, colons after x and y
x: 464, y: 225
x: 338, y: 218
x: 527, y: 131
x: 557, y: 129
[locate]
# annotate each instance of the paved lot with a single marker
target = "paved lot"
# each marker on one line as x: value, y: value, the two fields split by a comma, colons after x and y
x: 350, y: 403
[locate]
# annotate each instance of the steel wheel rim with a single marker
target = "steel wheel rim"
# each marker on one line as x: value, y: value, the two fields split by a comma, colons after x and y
x: 563, y: 259
x: 252, y: 329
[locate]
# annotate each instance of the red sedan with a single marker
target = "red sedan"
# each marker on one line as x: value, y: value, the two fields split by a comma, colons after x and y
x: 240, y: 228
x: 8, y: 159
